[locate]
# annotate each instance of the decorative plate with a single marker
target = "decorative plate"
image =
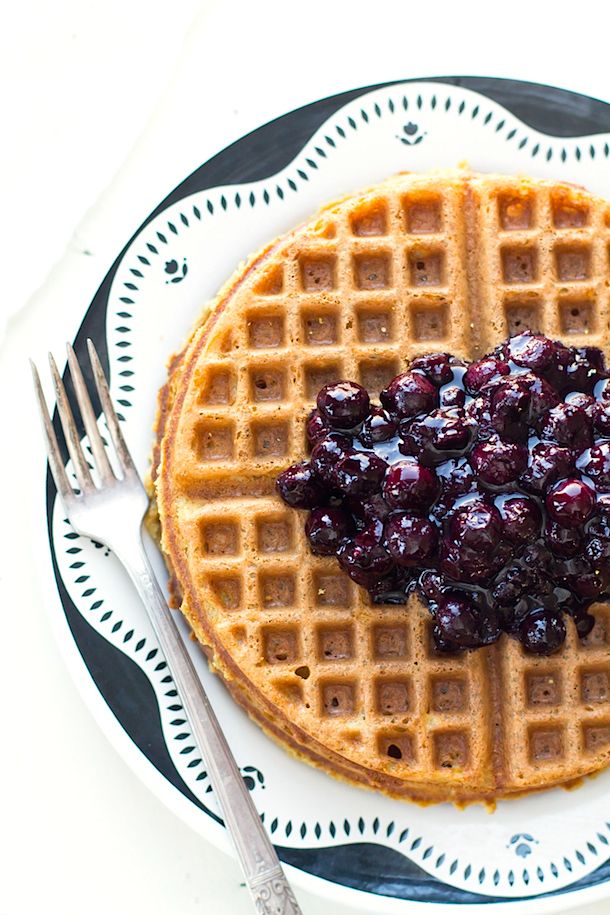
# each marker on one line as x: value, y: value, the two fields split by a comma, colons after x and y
x: 342, y: 842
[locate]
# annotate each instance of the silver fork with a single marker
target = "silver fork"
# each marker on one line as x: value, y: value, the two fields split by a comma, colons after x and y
x: 112, y: 512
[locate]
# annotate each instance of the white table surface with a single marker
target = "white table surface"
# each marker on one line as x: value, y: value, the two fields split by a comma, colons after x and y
x: 106, y: 106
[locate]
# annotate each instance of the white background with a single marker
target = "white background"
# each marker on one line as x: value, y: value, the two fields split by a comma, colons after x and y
x: 105, y: 107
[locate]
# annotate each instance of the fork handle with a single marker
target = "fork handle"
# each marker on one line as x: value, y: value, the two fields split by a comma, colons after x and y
x: 263, y: 872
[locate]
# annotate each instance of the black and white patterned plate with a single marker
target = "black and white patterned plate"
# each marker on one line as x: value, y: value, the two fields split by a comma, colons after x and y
x: 342, y: 842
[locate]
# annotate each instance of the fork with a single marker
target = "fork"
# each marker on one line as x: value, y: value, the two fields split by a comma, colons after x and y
x: 111, y: 511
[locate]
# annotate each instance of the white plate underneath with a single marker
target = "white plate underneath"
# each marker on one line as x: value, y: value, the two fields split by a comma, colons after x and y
x: 537, y: 854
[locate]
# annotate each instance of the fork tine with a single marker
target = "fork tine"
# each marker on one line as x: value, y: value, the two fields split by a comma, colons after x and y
x: 86, y: 411
x: 70, y: 432
x: 53, y: 453
x: 125, y: 459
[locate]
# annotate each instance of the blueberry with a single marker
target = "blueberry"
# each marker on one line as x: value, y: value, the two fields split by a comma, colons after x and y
x: 457, y: 479
x: 563, y: 541
x: 601, y: 419
x: 576, y: 369
x: 343, y: 404
x: 543, y: 395
x: 377, y: 427
x: 326, y: 529
x: 603, y: 501
x: 391, y: 589
x: 409, y: 485
x: 538, y: 558
x: 517, y: 402
x: 371, y: 536
x: 585, y: 401
x: 478, y: 374
x: 443, y: 644
x: 542, y: 632
x: 570, y: 503
x: 511, y: 586
x: 531, y: 351
x: 477, y: 526
x: 316, y: 427
x: 360, y: 473
x: 547, y: 463
x: 363, y: 564
x: 510, y: 410
x: 600, y: 526
x: 478, y: 412
x: 299, y: 487
x: 497, y: 462
x: 597, y: 551
x: 375, y: 508
x: 441, y: 432
x: 411, y: 541
x: 582, y: 577
x: 452, y: 396
x: 462, y: 563
x: 432, y: 584
x: 457, y: 621
x: 556, y: 372
x: 327, y: 453
x: 567, y: 424
x: 437, y: 367
x: 595, y: 463
x: 522, y: 520
x: 596, y: 358
x: 587, y: 368
x: 513, y: 617
x: 409, y: 394
x: 589, y: 584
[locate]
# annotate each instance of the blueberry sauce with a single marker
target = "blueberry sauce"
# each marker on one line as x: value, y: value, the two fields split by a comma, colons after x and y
x: 485, y: 486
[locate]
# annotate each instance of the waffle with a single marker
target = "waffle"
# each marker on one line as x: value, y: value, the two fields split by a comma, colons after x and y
x: 419, y: 263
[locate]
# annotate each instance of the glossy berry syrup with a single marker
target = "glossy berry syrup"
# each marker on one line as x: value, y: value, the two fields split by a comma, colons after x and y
x: 485, y: 486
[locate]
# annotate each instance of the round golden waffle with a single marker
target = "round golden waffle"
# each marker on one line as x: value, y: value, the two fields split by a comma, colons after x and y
x: 419, y: 263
